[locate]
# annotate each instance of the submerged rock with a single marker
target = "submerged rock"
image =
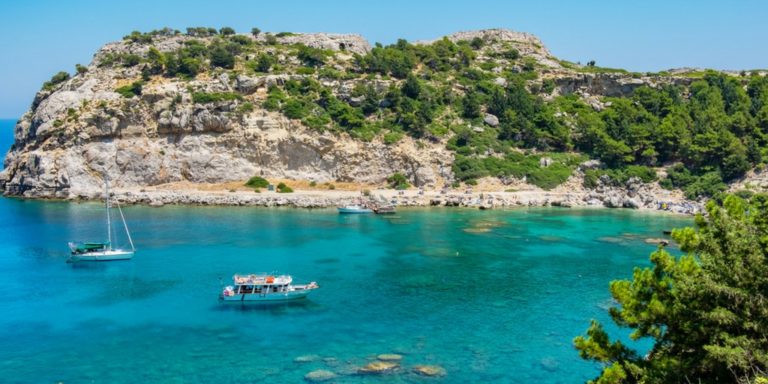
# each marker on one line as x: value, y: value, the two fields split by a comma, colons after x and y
x: 378, y: 368
x: 663, y: 242
x: 306, y: 359
x: 389, y: 357
x: 429, y: 370
x: 549, y: 364
x: 319, y: 375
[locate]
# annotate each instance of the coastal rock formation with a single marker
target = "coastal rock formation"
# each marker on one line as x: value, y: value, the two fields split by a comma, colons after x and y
x: 527, y: 44
x: 128, y: 116
x: 333, y: 41
x: 610, y: 84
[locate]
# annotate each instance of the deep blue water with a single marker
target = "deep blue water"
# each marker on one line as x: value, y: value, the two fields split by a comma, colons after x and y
x: 491, y: 296
x: 6, y: 137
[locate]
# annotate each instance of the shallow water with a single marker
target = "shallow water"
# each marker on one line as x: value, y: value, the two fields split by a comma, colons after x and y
x: 491, y: 296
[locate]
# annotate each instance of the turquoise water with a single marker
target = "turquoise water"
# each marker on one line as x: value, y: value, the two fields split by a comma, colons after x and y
x: 491, y: 296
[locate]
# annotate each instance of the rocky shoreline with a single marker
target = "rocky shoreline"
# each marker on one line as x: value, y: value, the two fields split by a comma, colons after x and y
x: 408, y: 198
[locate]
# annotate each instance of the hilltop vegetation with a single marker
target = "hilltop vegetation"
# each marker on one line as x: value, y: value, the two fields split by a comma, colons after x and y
x: 498, y: 105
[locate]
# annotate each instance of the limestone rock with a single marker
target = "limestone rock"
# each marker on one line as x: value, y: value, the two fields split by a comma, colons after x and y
x: 319, y: 375
x: 631, y: 203
x: 336, y: 42
x: 663, y: 242
x: 389, y: 357
x: 491, y: 120
x: 378, y: 368
x: 429, y: 370
x: 590, y: 164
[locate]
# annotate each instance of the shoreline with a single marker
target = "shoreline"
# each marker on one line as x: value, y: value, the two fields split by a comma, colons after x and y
x: 164, y: 195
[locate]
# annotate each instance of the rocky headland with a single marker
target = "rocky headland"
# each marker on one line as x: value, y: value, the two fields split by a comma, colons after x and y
x: 158, y: 136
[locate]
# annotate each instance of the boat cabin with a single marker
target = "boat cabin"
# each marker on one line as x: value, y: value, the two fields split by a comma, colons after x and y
x: 81, y: 248
x: 261, y: 284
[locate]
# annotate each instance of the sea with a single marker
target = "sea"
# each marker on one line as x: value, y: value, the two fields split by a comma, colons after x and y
x: 492, y: 296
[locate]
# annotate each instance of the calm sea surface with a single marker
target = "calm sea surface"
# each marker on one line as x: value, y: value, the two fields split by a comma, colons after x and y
x: 491, y: 296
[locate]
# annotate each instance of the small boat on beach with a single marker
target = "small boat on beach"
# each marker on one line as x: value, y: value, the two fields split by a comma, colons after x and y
x: 263, y: 287
x: 354, y: 208
x: 103, y: 250
x: 384, y: 209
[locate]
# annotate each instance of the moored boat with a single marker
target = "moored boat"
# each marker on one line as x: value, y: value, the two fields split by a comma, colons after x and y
x: 103, y: 250
x: 384, y: 209
x: 354, y: 208
x: 263, y: 287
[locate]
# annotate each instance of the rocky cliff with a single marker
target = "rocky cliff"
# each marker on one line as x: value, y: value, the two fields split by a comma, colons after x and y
x: 125, y: 117
x: 83, y: 129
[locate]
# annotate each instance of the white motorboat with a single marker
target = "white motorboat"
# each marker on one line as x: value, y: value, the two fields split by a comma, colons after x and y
x: 354, y: 208
x: 263, y: 287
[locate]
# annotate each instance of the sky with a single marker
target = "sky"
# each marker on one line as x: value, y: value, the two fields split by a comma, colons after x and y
x: 41, y: 37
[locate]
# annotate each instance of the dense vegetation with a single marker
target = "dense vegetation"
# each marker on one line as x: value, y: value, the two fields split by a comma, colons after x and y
x: 706, y: 133
x: 706, y: 311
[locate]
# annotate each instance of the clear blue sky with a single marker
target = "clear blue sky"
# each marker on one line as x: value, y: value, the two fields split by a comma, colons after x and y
x: 41, y: 37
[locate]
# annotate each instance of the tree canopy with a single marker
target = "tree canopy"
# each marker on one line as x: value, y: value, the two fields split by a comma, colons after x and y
x: 706, y: 311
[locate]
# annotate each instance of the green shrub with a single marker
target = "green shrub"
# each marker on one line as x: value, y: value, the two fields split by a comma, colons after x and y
x: 549, y: 177
x: 138, y: 37
x: 203, y: 97
x: 591, y: 178
x: 131, y: 60
x: 398, y: 181
x: 241, y: 40
x: 305, y: 71
x: 263, y: 63
x: 744, y: 194
x: 319, y: 123
x: 282, y: 188
x: 257, y: 182
x: 392, y: 137
x: 226, y: 31
x: 312, y: 183
x: 547, y: 86
x: 55, y: 80
x: 131, y: 90
x: 646, y: 174
x: 221, y: 57
x: 244, y: 108
x: 312, y: 57
x: 509, y: 54
x: 708, y: 185
x: 295, y: 109
x: 81, y: 69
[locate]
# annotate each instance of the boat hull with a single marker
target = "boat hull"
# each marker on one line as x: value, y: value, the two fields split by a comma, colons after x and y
x: 269, y: 297
x: 102, y: 256
x: 354, y: 210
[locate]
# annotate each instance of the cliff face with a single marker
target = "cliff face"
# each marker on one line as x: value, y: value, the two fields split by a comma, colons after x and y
x: 82, y: 128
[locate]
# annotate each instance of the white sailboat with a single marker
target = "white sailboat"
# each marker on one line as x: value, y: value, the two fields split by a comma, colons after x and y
x: 103, y: 250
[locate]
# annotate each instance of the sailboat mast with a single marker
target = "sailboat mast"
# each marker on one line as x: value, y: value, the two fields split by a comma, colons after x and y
x: 109, y: 220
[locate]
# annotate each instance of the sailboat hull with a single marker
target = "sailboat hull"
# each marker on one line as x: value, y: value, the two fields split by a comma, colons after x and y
x: 115, y: 254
